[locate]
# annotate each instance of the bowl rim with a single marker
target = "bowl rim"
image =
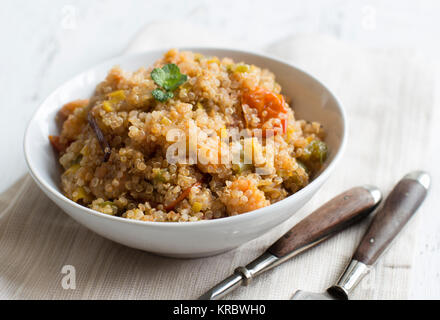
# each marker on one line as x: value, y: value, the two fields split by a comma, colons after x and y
x: 41, y: 182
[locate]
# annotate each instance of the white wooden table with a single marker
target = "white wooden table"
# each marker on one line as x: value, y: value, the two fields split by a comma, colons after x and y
x: 46, y: 42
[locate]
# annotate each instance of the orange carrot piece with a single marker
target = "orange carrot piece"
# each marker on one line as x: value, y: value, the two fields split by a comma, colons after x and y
x: 57, y: 144
x: 182, y: 196
x: 69, y: 108
x: 268, y: 104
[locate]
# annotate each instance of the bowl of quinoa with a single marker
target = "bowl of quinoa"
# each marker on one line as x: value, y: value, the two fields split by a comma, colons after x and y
x: 187, y: 137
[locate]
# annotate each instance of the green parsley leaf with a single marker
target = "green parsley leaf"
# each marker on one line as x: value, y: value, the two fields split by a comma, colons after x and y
x: 161, y: 95
x: 168, y: 77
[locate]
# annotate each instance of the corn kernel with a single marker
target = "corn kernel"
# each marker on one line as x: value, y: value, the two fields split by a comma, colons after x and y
x: 165, y: 121
x: 197, y: 206
x: 310, y: 139
x: 241, y: 68
x: 106, y: 105
x: 78, y: 194
x: 117, y: 96
x: 109, y: 208
x: 85, y: 150
x: 72, y: 169
x: 214, y: 60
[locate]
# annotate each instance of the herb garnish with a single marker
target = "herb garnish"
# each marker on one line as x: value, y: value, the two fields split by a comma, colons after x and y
x: 168, y: 78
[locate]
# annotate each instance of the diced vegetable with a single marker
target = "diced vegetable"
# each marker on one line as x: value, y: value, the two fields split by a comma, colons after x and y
x: 117, y: 96
x: 197, y: 206
x: 79, y: 194
x: 268, y: 104
x: 69, y: 108
x: 316, y: 151
x: 74, y: 168
x: 241, y: 68
x: 85, y: 151
x: 182, y: 196
x: 214, y: 60
x: 302, y: 165
x: 165, y: 121
x: 106, y: 105
x: 114, y: 98
x: 159, y: 175
x: 113, y: 207
x: 57, y: 144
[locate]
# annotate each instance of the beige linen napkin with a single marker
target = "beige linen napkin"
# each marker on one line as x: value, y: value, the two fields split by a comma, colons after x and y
x: 388, y: 97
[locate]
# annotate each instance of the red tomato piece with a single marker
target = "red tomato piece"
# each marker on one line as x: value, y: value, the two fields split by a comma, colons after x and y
x: 268, y: 104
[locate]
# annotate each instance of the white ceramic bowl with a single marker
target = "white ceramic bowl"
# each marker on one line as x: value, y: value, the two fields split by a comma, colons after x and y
x: 311, y: 100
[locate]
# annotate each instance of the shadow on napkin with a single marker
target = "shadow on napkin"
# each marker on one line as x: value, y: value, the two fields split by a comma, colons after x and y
x: 38, y: 239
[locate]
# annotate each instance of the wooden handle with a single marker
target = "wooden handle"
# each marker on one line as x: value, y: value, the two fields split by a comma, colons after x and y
x: 397, y: 209
x: 333, y: 216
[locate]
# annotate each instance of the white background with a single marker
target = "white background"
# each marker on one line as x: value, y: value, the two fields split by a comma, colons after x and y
x: 45, y: 42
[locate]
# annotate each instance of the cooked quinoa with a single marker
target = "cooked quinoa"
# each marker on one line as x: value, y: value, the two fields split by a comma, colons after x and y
x: 125, y: 172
